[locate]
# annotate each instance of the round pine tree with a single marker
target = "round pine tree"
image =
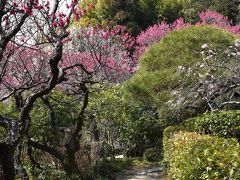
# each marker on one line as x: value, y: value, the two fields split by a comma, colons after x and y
x: 158, y: 76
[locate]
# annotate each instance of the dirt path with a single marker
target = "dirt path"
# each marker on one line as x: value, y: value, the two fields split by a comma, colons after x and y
x: 151, y: 172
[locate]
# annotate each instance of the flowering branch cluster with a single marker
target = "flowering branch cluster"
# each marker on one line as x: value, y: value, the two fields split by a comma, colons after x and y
x: 156, y: 32
x: 105, y: 53
x: 216, y: 78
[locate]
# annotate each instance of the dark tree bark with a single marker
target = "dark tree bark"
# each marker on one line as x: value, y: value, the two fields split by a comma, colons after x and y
x: 20, y: 170
x: 72, y: 144
x: 7, y: 161
x: 67, y: 158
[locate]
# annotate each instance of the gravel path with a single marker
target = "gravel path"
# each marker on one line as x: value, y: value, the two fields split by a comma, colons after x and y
x: 152, y: 172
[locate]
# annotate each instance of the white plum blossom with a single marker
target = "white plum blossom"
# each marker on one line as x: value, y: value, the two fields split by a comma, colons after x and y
x: 237, y: 43
x: 202, y: 65
x: 181, y: 69
x: 204, y: 46
x: 170, y: 103
x: 209, y: 57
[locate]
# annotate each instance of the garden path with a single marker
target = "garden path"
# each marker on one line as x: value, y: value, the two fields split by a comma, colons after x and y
x: 151, y: 172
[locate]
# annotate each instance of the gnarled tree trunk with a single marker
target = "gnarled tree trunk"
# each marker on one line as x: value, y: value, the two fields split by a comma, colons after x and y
x: 7, y: 161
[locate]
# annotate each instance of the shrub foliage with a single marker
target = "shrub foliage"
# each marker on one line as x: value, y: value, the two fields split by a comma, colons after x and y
x: 224, y: 124
x: 195, y: 156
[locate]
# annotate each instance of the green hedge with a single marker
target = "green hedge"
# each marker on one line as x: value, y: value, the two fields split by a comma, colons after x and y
x: 168, y: 134
x: 195, y: 156
x: 223, y: 124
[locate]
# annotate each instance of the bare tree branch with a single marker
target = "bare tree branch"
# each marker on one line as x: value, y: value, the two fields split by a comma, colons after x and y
x: 47, y: 149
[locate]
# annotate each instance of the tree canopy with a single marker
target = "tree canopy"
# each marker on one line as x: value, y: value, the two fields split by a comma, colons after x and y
x: 158, y: 78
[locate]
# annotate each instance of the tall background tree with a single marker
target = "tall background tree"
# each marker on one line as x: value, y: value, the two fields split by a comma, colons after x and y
x: 136, y: 15
x: 170, y: 10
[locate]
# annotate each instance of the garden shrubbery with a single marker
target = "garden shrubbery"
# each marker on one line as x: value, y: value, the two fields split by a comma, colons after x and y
x: 194, y: 156
x: 224, y: 124
x: 165, y: 69
x: 167, y: 147
x: 189, y: 155
x: 152, y: 155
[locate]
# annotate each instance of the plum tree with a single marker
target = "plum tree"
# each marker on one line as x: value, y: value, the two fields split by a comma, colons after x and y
x: 35, y: 58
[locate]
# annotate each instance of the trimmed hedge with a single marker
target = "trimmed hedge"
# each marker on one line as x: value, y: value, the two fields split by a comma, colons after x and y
x: 223, y: 124
x: 168, y: 134
x: 195, y: 156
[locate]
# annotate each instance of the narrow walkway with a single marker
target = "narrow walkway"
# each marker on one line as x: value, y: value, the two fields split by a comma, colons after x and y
x: 152, y: 172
